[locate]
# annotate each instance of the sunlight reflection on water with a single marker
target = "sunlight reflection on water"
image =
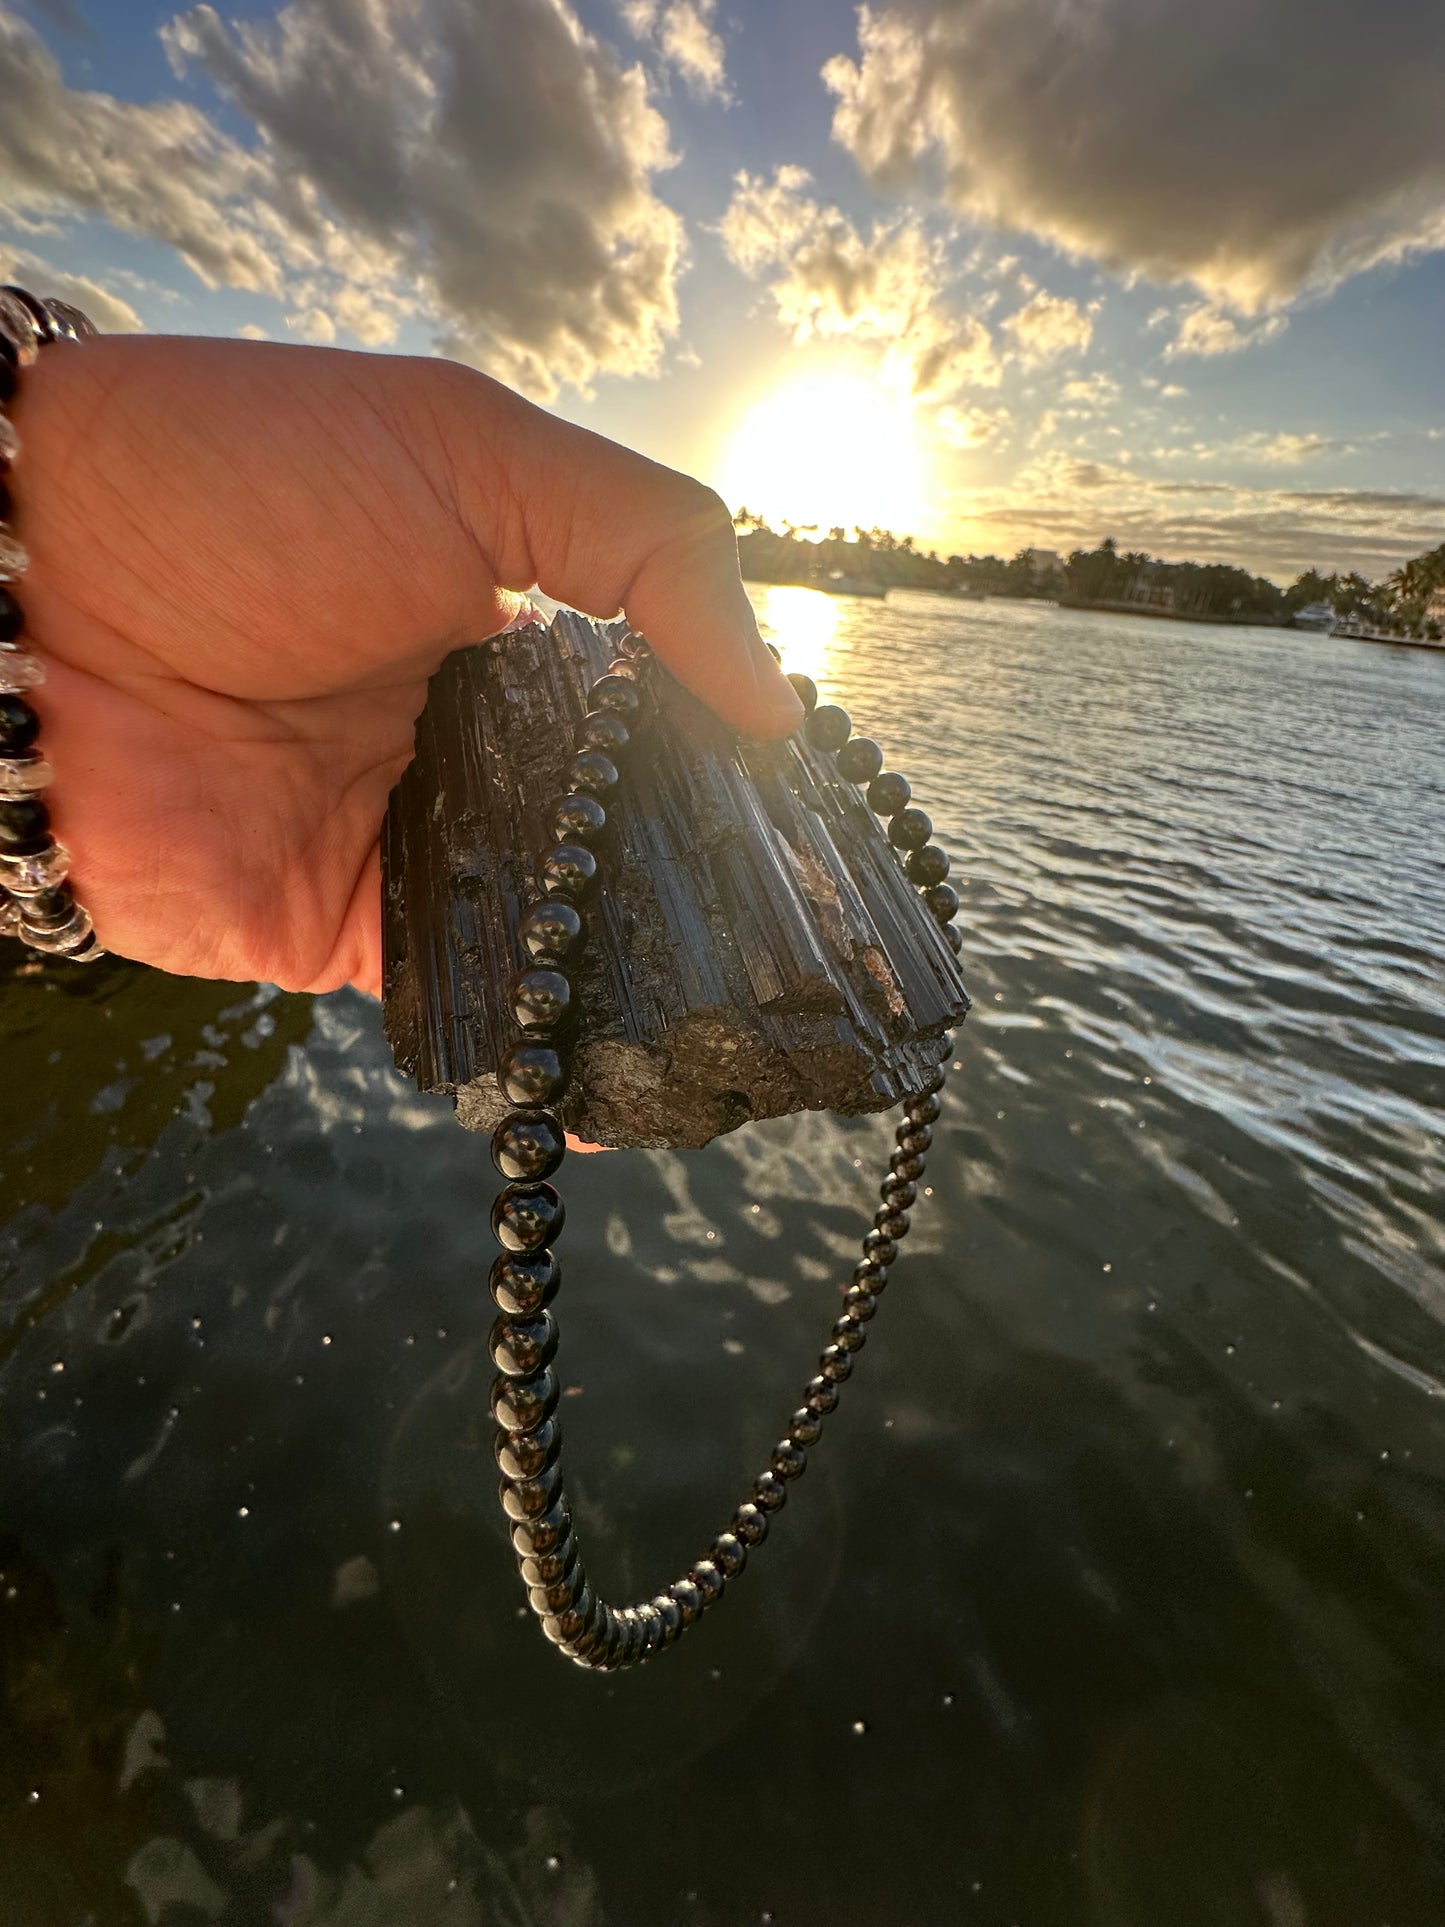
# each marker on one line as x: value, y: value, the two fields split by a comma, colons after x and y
x: 803, y: 624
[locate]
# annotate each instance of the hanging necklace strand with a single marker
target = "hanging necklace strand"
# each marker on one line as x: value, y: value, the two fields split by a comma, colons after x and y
x: 528, y: 1147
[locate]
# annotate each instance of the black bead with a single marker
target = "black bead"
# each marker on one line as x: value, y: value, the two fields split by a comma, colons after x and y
x: 48, y: 909
x: 566, y: 1626
x: 524, y: 1282
x: 789, y: 1461
x: 555, y: 1595
x: 7, y: 379
x: 531, y: 1074
x: 653, y: 1632
x: 522, y: 1346
x: 848, y: 1335
x: 927, y: 865
x: 888, y: 793
x: 728, y: 1554
x: 592, y: 772
x: 805, y: 1427
x: 954, y: 936
x: 709, y: 1582
x: 8, y: 351
x: 624, y: 666
x: 909, y: 830
x: 835, y: 1364
x: 544, y: 1568
x: 860, y: 1304
x: 914, y: 1139
x: 860, y: 760
x: 522, y: 1455
x: 923, y: 1110
x: 12, y: 617
x: 670, y: 1613
x: 634, y: 644
x: 806, y: 689
x: 898, y: 1193
x: 934, y: 1081
x: 769, y: 1492
x: 24, y: 826
x: 551, y: 931
x: 879, y: 1245
x: 579, y: 819
x: 893, y: 1223
x: 604, y: 731
x: 547, y: 1534
x: 527, y: 1216
x: 541, y: 1000
x: 907, y: 1164
x: 942, y: 901
x: 688, y: 1600
x: 530, y: 1498
x: 528, y: 1145
x: 828, y: 726
x: 821, y: 1395
x: 615, y: 693
x: 750, y: 1523
x: 524, y: 1403
x: 568, y: 870
x: 870, y: 1274
x: 5, y: 503
x: 19, y: 725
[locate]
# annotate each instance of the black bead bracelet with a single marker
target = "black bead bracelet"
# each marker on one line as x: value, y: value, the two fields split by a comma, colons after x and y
x: 37, y: 903
x: 529, y: 1144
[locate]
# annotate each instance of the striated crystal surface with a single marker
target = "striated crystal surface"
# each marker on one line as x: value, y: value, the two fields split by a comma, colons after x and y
x: 19, y: 327
x: 23, y: 876
x: 19, y: 670
x: 9, y: 441
x: 60, y: 938
x: 14, y: 559
x: 19, y: 777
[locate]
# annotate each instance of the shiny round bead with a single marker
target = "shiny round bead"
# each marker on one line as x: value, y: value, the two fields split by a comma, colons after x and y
x: 942, y: 902
x: 524, y: 1282
x: 835, y: 1364
x: 523, y: 1405
x: 555, y: 1595
x: 522, y: 1346
x: 909, y: 830
x: 934, y: 1081
x: 650, y: 1622
x: 605, y: 731
x: 728, y: 1554
x: 805, y: 1427
x: 12, y: 617
x: 670, y: 1614
x: 923, y: 1110
x: 541, y: 1000
x: 769, y: 1491
x: 907, y: 1164
x: 914, y: 1139
x: 828, y: 727
x: 19, y: 725
x: 688, y: 1600
x: 871, y: 1275
x: 550, y: 1534
x: 635, y: 645
x: 898, y: 1193
x: 579, y: 819
x: 789, y: 1461
x: 805, y: 689
x: 860, y: 760
x: 527, y: 1216
x: 821, y: 1395
x: 522, y: 1455
x: 709, y: 1582
x: 848, y: 1335
x: 551, y: 931
x: 568, y: 870
x: 624, y: 666
x: 615, y: 693
x: 859, y: 1304
x: 563, y: 1627
x: 531, y: 1074
x: 877, y: 1244
x: 888, y: 793
x: 528, y: 1145
x: 892, y: 1223
x: 530, y: 1498
x: 593, y: 773
x: 955, y: 937
x: 546, y: 1567
x: 927, y: 865
x: 67, y: 322
x: 750, y: 1523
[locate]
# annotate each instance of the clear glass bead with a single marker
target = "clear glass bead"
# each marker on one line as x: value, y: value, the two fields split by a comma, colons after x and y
x: 19, y: 671
x: 19, y: 778
x: 14, y: 559
x: 71, y: 323
x: 9, y: 441
x: 59, y: 938
x: 22, y: 876
x: 20, y: 327
x: 9, y: 918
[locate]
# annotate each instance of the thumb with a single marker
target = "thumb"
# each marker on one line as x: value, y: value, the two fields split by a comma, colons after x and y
x: 603, y: 529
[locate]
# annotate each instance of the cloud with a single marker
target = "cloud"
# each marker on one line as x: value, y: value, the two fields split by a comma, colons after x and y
x: 1226, y: 145
x: 486, y: 167
x: 110, y: 313
x: 683, y: 35
x: 829, y: 281
x: 966, y: 428
x: 1049, y: 326
x: 1208, y: 330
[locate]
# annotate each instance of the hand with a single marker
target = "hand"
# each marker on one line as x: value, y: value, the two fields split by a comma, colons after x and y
x: 247, y: 559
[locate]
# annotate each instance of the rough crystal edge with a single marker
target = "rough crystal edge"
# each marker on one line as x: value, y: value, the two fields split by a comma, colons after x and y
x: 14, y: 556
x: 23, y: 778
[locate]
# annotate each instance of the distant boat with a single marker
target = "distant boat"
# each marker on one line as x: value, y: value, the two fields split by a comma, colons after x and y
x: 1318, y: 616
x: 837, y: 583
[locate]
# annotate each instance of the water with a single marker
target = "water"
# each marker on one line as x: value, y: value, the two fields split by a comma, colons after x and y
x: 1115, y: 1597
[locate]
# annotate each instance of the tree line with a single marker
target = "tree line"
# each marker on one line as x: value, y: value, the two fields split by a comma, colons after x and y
x: 1108, y: 576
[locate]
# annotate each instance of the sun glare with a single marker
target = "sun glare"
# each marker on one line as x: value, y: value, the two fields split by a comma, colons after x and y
x: 830, y: 450
x: 803, y: 623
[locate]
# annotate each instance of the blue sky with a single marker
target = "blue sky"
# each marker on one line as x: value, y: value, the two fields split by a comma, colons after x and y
x: 994, y: 271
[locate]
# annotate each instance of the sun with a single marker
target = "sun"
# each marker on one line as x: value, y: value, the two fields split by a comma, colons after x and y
x: 832, y: 450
